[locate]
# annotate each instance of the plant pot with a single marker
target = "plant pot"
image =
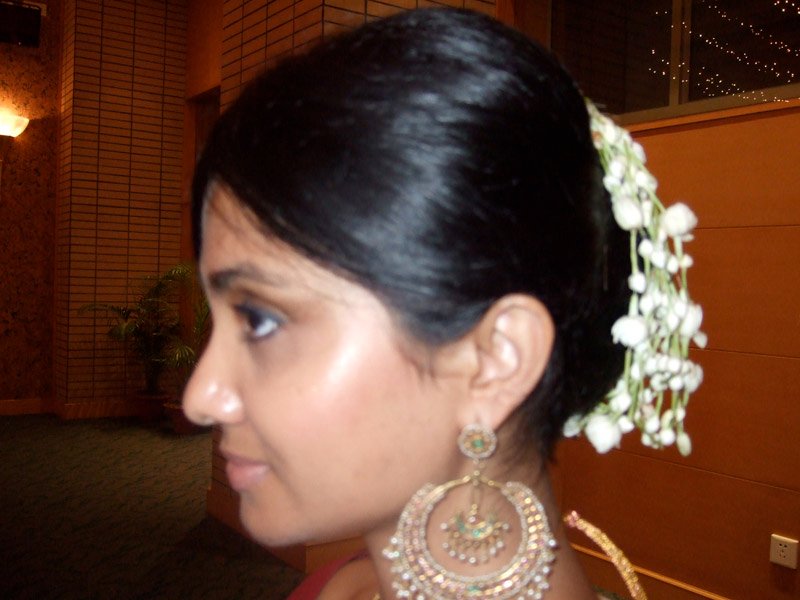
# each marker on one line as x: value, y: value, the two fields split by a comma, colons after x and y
x: 180, y: 424
x: 150, y: 407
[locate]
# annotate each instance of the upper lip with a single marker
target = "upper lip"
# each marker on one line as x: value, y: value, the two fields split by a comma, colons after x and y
x: 237, y: 457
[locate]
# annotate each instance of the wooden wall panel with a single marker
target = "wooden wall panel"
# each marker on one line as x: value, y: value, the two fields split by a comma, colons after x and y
x: 746, y: 177
x: 740, y: 420
x: 119, y: 181
x: 530, y: 16
x: 744, y: 277
x: 705, y: 520
x: 689, y: 524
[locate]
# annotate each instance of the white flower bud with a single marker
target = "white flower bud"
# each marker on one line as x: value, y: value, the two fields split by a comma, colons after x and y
x: 627, y: 213
x: 659, y: 257
x: 661, y: 298
x: 636, y: 371
x: 650, y: 365
x: 700, y: 339
x: 672, y: 321
x: 674, y: 364
x: 686, y: 261
x: 646, y: 304
x: 667, y: 437
x: 620, y: 402
x: 638, y: 151
x: 572, y: 426
x: 693, y: 378
x: 637, y: 282
x: 610, y: 132
x: 676, y: 383
x: 658, y: 382
x: 647, y: 396
x: 645, y: 180
x: 652, y: 424
x: 617, y: 167
x: 603, y: 433
x: 692, y: 320
x: 611, y: 183
x: 684, y: 444
x: 645, y: 248
x: 678, y: 220
x: 629, y: 331
x: 625, y: 424
x: 679, y: 307
x: 672, y: 264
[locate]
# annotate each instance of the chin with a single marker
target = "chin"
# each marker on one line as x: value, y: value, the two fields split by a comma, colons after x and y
x: 268, y: 530
x: 273, y: 530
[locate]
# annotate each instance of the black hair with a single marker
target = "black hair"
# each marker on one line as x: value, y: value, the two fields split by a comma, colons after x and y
x: 442, y: 161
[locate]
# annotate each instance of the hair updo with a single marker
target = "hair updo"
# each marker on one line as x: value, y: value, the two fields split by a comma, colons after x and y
x: 440, y: 160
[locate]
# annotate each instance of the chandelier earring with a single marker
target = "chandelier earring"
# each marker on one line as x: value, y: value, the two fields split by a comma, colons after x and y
x: 473, y: 537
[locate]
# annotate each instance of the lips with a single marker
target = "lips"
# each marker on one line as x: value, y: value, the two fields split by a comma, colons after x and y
x: 244, y: 473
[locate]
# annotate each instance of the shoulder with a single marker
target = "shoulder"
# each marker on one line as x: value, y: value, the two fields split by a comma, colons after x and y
x: 356, y: 580
x: 350, y: 578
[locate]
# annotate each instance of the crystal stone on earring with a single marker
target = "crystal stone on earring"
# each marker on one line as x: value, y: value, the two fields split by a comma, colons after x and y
x: 472, y: 539
x: 477, y: 442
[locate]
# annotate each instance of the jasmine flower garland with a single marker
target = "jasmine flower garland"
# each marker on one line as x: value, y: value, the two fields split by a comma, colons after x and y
x: 654, y: 389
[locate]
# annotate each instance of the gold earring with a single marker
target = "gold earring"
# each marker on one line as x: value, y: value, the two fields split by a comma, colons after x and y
x: 472, y: 538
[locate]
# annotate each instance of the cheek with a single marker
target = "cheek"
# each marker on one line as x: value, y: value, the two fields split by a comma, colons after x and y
x: 338, y: 402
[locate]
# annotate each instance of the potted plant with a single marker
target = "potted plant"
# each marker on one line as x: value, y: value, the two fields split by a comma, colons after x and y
x: 154, y: 333
x: 184, y: 349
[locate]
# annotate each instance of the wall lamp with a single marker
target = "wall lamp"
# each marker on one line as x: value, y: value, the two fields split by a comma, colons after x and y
x: 10, y: 127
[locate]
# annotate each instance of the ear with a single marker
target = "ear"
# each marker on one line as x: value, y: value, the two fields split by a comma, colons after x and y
x: 512, y: 345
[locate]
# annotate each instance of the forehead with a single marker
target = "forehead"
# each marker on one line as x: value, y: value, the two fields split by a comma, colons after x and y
x: 235, y: 242
x: 233, y: 238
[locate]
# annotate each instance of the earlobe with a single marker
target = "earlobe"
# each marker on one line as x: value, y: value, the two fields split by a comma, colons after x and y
x: 513, y: 342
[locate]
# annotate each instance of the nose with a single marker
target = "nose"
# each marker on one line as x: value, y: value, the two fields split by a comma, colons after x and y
x: 211, y: 397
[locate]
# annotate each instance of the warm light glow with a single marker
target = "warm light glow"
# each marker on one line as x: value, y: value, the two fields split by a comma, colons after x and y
x: 12, y: 125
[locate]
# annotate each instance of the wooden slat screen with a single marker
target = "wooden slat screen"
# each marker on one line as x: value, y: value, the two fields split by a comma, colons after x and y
x: 118, y: 208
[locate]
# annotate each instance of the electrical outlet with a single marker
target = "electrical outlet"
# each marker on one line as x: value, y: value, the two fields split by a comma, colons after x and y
x: 783, y: 551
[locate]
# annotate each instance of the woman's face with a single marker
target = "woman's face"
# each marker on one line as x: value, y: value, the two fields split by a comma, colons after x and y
x: 328, y: 422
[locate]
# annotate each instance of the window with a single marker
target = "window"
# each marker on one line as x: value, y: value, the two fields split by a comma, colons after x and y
x: 679, y: 56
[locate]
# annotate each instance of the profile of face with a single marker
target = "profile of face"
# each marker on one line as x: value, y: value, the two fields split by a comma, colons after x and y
x: 388, y: 255
x: 329, y: 419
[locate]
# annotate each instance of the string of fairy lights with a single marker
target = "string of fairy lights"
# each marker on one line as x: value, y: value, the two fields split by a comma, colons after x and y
x: 757, y: 31
x: 787, y: 4
x: 711, y: 83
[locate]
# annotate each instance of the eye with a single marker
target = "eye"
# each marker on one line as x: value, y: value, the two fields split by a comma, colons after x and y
x: 259, y: 323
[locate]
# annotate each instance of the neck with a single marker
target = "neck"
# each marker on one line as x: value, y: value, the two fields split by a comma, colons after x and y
x: 566, y: 579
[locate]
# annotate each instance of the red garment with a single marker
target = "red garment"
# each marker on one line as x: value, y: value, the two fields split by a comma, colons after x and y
x: 313, y: 584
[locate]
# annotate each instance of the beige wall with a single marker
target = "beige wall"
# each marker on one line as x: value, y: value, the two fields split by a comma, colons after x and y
x: 119, y: 180
x: 29, y: 87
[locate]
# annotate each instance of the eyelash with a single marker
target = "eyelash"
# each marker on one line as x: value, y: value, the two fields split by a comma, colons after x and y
x: 259, y: 323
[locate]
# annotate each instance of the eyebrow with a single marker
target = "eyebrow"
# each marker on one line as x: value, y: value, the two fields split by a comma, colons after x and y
x: 222, y: 280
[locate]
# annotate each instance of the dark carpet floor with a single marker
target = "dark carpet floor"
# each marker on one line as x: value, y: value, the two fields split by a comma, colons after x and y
x: 104, y: 509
